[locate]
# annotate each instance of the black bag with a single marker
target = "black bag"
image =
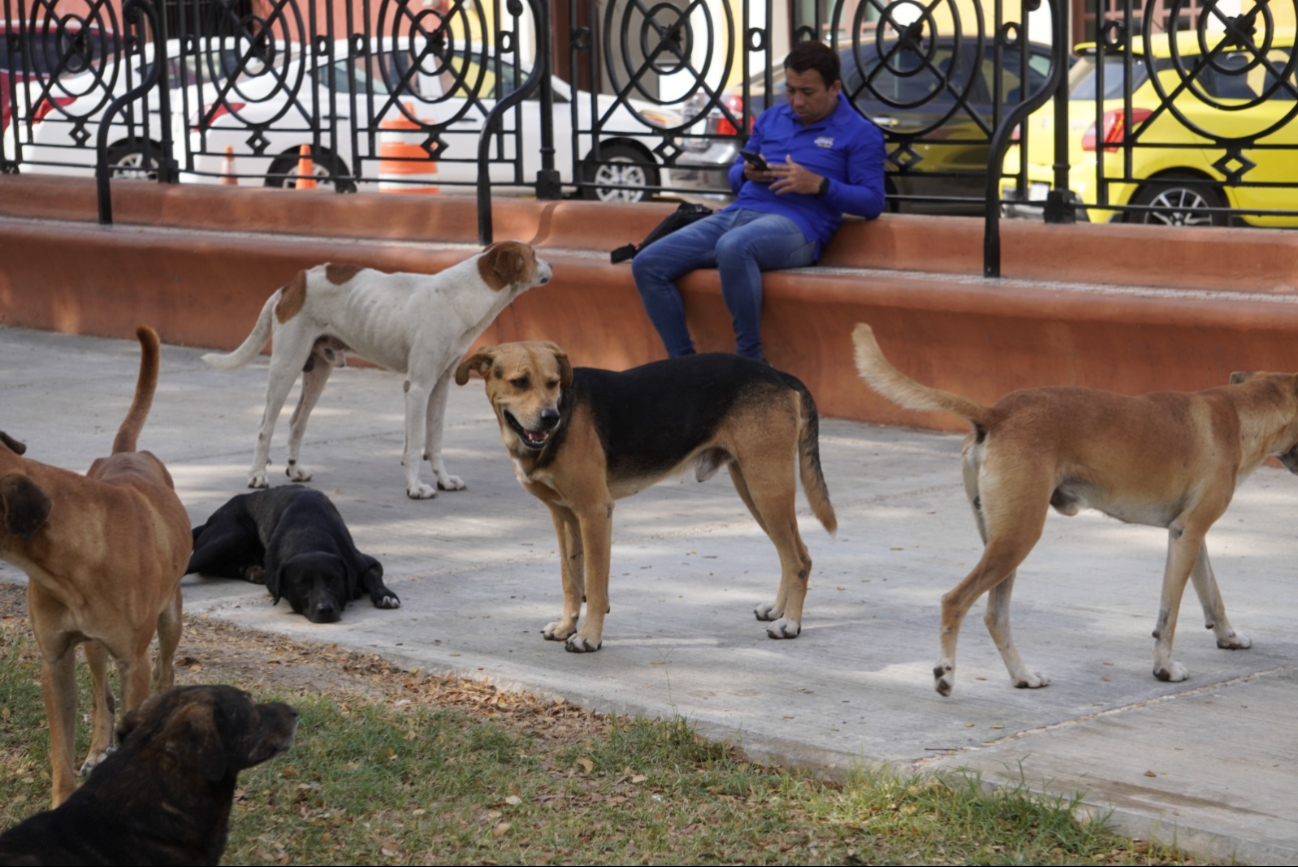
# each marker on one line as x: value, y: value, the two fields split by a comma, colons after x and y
x: 687, y: 213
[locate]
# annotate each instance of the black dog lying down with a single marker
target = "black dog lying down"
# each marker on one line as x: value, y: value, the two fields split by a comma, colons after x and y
x: 163, y: 797
x: 293, y: 540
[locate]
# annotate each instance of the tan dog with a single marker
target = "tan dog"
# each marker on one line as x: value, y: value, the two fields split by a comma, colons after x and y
x: 104, y: 554
x: 416, y: 324
x: 582, y: 438
x: 1168, y: 459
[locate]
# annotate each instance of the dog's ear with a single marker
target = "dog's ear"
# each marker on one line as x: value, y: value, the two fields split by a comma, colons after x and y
x: 503, y: 264
x: 479, y: 362
x: 1240, y: 376
x: 13, y: 444
x: 565, y: 366
x: 193, y: 738
x: 25, y: 505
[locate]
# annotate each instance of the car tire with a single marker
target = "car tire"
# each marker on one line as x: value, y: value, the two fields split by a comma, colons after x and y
x: 623, y: 174
x: 1183, y: 203
x: 329, y: 169
x: 128, y: 162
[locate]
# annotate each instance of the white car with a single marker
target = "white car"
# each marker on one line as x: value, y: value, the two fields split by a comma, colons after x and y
x: 265, y: 125
x: 57, y: 129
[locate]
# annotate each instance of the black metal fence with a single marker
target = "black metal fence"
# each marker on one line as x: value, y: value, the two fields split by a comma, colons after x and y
x: 624, y: 100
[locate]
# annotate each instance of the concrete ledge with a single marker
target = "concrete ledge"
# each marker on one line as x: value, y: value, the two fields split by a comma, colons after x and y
x: 1215, y: 259
x: 1132, y: 309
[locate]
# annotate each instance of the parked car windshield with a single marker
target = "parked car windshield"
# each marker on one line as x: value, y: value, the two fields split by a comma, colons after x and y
x: 907, y: 79
x: 460, y: 73
x: 1082, y: 78
x: 41, y: 53
x: 337, y: 76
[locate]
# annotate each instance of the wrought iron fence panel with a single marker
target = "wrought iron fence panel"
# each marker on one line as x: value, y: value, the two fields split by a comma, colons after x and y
x: 937, y: 78
x: 1200, y: 127
x: 657, y: 96
x: 389, y: 93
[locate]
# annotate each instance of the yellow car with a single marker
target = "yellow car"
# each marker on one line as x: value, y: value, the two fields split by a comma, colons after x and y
x: 1224, y: 87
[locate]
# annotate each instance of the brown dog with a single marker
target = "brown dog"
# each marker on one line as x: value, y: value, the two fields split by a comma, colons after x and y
x: 104, y: 554
x: 164, y: 796
x: 1168, y: 459
x: 582, y: 438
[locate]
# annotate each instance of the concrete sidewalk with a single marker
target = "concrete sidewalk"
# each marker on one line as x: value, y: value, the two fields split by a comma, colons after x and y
x: 1208, y: 763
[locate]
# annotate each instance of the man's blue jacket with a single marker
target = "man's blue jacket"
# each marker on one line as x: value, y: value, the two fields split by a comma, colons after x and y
x: 844, y: 147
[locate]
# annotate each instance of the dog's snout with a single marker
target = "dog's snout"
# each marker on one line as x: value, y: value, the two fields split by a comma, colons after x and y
x: 326, y: 611
x: 549, y: 418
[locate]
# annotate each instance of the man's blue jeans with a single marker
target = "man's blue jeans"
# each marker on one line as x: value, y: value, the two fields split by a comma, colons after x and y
x: 739, y: 243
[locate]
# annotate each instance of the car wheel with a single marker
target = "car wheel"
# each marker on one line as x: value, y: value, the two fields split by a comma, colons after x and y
x: 329, y: 169
x: 1179, y: 204
x: 623, y: 174
x: 129, y: 162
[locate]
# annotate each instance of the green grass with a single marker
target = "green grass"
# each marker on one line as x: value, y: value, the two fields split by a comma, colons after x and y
x: 519, y: 780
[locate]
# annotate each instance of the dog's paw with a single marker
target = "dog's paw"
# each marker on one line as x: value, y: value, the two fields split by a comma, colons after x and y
x: 1035, y: 680
x: 258, y: 480
x: 944, y: 677
x: 297, y: 473
x: 577, y: 644
x: 451, y: 483
x: 421, y: 492
x: 1174, y: 672
x: 386, y: 600
x: 768, y: 612
x: 93, y: 760
x: 559, y: 630
x: 255, y: 574
x: 1235, y: 641
x: 783, y: 628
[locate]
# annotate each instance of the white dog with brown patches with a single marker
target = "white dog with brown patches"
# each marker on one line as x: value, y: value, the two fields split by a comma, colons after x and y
x: 416, y: 324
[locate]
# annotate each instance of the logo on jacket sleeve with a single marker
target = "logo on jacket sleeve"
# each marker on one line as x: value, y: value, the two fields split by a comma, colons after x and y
x: 825, y: 141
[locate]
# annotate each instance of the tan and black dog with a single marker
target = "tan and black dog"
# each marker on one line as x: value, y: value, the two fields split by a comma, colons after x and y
x: 104, y: 554
x: 581, y: 438
x: 1168, y: 459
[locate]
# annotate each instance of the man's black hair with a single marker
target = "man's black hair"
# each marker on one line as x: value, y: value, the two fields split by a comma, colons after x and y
x: 818, y: 56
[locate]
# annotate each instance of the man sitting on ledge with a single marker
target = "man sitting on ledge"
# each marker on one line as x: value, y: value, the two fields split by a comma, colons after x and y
x: 822, y: 159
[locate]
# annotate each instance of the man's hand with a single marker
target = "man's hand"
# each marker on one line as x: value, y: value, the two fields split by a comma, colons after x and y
x: 793, y: 178
x: 761, y: 176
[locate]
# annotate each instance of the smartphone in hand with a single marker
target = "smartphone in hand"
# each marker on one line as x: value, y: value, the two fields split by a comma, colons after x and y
x: 754, y: 159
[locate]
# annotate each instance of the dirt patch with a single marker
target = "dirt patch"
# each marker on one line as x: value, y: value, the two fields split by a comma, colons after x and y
x: 213, y: 651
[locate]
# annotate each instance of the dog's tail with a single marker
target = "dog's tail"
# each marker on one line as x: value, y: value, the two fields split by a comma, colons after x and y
x: 145, y: 386
x: 906, y: 392
x: 253, y: 344
x: 813, y: 478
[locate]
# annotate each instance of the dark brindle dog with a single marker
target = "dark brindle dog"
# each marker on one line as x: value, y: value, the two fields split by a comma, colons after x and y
x: 164, y: 796
x: 293, y: 540
x: 582, y: 438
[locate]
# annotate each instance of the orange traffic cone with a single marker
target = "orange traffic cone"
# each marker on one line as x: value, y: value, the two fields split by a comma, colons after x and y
x: 305, y: 168
x: 404, y: 165
x: 228, y: 177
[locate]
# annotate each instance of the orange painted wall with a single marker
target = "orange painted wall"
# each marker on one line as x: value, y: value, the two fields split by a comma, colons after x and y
x: 1128, y: 308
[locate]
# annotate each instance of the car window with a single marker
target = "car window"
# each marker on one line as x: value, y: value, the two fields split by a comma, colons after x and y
x: 1082, y: 79
x: 1038, y: 72
x: 454, y: 79
x: 1230, y: 76
x: 42, y: 53
x: 337, y: 76
x: 907, y: 77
